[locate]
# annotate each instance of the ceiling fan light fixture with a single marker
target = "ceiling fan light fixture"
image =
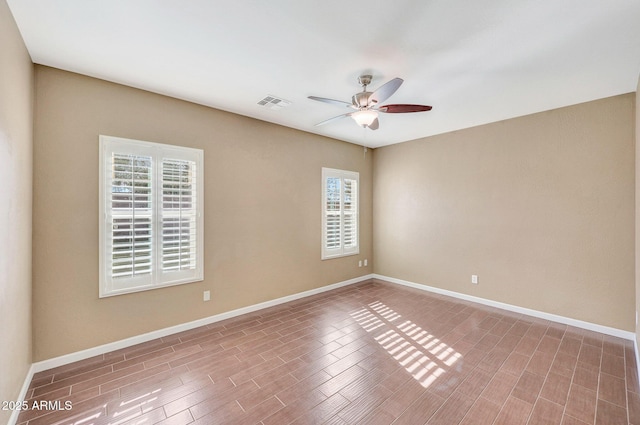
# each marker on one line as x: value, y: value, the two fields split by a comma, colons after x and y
x: 365, y: 117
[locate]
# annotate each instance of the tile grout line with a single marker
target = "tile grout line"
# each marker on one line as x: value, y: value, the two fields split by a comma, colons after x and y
x: 595, y: 416
x: 573, y: 374
x: 626, y: 384
x: 544, y: 381
x: 510, y: 392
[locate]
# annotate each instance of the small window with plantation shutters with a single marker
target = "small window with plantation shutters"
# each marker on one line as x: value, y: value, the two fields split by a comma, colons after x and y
x: 151, y: 206
x: 339, y: 213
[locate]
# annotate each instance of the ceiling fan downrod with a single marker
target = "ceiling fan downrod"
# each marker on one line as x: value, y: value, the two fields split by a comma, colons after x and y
x: 361, y: 100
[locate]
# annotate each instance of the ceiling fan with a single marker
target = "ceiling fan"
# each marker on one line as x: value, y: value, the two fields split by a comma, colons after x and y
x: 367, y: 104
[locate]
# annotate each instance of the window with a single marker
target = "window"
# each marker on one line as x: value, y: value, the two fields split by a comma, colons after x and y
x: 339, y: 213
x: 151, y: 226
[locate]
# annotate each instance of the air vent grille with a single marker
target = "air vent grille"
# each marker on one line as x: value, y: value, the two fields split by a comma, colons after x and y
x: 274, y: 102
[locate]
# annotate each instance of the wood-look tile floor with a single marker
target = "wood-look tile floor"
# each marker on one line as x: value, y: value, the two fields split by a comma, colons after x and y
x: 371, y: 353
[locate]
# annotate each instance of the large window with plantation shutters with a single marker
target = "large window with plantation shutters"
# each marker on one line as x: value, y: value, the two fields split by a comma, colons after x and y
x: 151, y: 204
x: 340, y: 219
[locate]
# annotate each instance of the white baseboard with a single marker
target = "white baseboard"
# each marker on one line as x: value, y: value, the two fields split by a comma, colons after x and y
x: 124, y: 343
x: 13, y: 419
x: 509, y: 307
x: 128, y: 342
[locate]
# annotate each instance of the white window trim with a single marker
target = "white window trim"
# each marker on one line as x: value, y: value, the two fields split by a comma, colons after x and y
x: 158, y: 278
x: 342, y: 251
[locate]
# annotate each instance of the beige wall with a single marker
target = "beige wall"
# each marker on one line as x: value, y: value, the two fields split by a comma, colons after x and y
x: 16, y: 142
x: 540, y: 207
x: 262, y: 211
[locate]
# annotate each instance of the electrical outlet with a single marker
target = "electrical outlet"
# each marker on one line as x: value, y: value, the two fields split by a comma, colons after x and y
x: 206, y: 296
x: 474, y: 279
x: 365, y: 262
x: 360, y: 263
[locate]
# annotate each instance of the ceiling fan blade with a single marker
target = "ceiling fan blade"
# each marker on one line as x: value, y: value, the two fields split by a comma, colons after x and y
x: 403, y: 108
x: 386, y: 90
x: 331, y: 101
x: 334, y: 118
x: 374, y: 125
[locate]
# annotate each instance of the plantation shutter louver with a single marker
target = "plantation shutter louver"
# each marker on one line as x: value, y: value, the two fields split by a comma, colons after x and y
x: 340, y: 213
x: 332, y: 213
x: 350, y: 211
x: 151, y: 204
x: 179, y: 215
x: 130, y: 218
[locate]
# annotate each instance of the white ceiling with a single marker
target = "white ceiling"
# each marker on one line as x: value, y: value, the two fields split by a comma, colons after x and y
x: 474, y: 61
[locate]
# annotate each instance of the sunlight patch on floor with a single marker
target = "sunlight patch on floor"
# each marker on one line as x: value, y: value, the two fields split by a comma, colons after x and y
x: 421, y: 354
x: 127, y: 411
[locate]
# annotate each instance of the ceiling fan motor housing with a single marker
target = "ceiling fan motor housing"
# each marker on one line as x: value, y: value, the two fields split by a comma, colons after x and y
x: 361, y: 100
